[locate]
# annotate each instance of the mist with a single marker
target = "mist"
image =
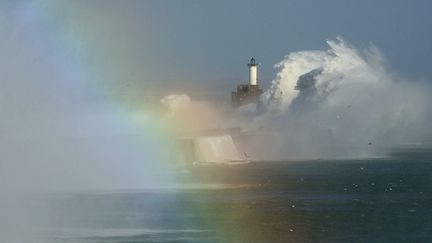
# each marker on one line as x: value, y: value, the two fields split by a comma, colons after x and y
x: 59, y: 133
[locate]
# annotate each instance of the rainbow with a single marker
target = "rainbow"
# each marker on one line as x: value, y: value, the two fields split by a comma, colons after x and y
x: 136, y: 143
x: 78, y: 64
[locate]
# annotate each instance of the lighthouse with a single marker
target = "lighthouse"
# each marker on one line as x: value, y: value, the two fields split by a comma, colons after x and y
x: 253, y: 72
x: 248, y: 93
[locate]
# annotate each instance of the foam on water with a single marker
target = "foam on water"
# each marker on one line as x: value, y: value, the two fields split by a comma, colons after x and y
x: 216, y: 149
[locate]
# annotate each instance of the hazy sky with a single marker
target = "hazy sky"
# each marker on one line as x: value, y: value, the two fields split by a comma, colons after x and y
x: 158, y: 43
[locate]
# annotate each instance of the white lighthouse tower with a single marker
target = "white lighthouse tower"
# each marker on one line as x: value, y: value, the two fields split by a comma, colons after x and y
x: 253, y: 72
x: 248, y: 93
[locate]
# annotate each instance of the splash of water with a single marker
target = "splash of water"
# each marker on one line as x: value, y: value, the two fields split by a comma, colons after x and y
x: 339, y: 102
x: 217, y: 149
x: 332, y: 70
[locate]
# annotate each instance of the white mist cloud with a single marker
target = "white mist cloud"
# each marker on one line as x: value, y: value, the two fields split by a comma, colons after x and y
x: 340, y: 102
x: 191, y: 116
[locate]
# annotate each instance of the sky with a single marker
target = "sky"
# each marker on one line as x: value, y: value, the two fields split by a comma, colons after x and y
x: 131, y: 46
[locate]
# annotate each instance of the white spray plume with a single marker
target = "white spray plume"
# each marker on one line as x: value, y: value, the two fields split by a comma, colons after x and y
x: 339, y: 102
x: 176, y: 103
x: 340, y: 65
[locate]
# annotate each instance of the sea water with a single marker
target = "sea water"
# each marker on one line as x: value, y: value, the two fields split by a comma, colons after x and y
x: 356, y: 200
